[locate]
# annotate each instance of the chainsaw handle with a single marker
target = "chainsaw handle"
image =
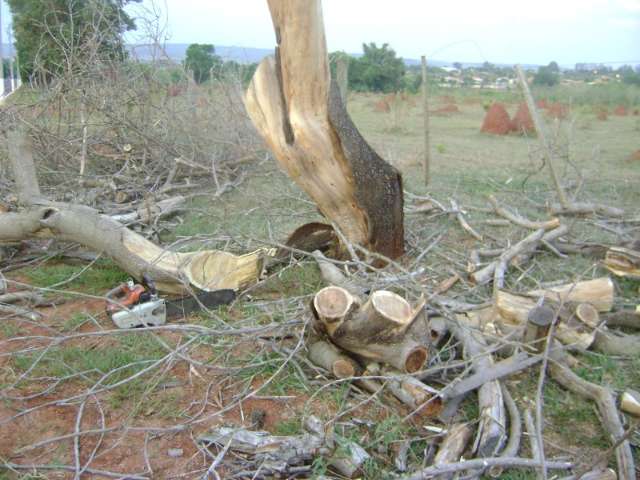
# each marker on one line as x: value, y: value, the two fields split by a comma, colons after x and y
x: 149, y: 283
x: 123, y: 296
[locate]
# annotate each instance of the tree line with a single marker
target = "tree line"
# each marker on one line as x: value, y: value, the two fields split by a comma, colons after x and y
x: 47, y: 30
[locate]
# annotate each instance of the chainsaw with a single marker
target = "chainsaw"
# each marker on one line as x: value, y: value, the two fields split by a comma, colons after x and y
x: 133, y: 305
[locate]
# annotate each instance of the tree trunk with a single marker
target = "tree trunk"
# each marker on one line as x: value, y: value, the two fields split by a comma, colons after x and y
x: 298, y: 111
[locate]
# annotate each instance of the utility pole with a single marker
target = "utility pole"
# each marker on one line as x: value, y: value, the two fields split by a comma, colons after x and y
x: 427, y: 143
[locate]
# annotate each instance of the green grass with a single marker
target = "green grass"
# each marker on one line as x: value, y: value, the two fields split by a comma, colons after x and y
x: 128, y: 354
x: 101, y: 277
x: 288, y: 427
x: 264, y: 366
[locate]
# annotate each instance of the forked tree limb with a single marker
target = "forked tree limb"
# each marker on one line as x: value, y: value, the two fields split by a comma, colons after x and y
x: 298, y: 112
x: 606, y: 404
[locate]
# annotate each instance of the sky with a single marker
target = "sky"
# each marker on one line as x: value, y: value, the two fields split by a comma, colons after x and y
x: 498, y: 31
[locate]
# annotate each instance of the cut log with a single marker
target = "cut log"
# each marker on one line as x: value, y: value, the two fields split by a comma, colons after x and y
x: 298, y: 111
x: 623, y: 262
x: 375, y: 331
x: 453, y: 446
x: 419, y: 397
x: 329, y: 357
x: 617, y: 343
x: 150, y: 211
x: 515, y: 311
x: 598, y: 292
x: 492, y: 427
x: 539, y: 320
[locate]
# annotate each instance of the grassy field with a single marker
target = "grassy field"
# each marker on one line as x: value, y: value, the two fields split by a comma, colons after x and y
x: 467, y: 166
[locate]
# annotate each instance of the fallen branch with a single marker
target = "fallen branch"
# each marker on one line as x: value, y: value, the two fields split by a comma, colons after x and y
x: 521, y: 221
x: 609, y: 415
x: 482, y: 464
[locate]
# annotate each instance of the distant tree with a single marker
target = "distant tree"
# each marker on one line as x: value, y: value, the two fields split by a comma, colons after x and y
x: 55, y: 36
x: 553, y: 67
x: 378, y: 70
x: 201, y: 59
x: 546, y: 76
x: 457, y: 65
x: 629, y: 75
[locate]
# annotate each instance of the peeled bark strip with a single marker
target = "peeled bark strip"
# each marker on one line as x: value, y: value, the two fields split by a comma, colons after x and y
x: 623, y: 262
x: 630, y: 402
x: 298, y: 111
x: 375, y: 331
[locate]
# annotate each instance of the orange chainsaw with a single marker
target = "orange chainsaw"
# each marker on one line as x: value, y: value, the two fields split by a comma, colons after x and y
x: 133, y: 305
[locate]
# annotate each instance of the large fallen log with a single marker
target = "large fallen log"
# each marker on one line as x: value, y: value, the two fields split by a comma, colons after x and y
x: 173, y: 272
x: 298, y: 111
x: 375, y: 331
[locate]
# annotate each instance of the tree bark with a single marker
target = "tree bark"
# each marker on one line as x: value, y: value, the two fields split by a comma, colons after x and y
x: 298, y: 111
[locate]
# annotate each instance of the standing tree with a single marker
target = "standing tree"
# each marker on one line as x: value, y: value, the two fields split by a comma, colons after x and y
x: 46, y: 31
x: 378, y: 70
x: 548, y: 75
x: 201, y: 59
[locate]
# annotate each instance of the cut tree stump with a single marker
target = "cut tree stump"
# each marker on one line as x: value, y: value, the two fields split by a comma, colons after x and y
x: 299, y: 112
x: 375, y: 331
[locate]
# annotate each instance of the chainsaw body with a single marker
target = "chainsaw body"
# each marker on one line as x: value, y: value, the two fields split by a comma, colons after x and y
x: 132, y: 305
x: 151, y: 313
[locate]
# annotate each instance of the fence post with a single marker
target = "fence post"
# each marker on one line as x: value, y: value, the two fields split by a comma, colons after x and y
x: 427, y: 144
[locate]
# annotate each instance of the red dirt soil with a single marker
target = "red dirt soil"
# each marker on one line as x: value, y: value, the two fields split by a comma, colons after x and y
x: 621, y: 111
x: 496, y: 121
x: 558, y: 110
x: 602, y: 115
x: 635, y: 156
x: 542, y: 103
x: 522, y: 122
x: 446, y: 109
x: 381, y: 106
x: 636, y: 113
